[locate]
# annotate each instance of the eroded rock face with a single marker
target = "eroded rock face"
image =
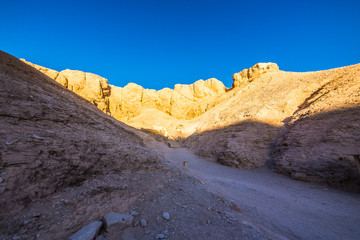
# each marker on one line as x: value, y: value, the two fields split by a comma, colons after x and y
x: 245, y: 145
x: 184, y: 102
x: 247, y: 75
x: 322, y: 149
x: 322, y: 139
x: 88, y: 85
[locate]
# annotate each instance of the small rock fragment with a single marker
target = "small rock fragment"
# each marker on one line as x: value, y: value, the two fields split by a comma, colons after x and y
x: 135, y: 223
x: 160, y: 236
x: 88, y: 232
x: 134, y: 213
x: 16, y: 237
x: 166, y: 215
x: 27, y: 221
x: 115, y: 222
x: 143, y: 222
x: 38, y: 137
x: 1, y: 179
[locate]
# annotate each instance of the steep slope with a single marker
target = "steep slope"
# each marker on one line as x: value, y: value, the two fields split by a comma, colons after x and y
x: 320, y: 143
x: 52, y: 139
x: 65, y: 164
x: 322, y: 138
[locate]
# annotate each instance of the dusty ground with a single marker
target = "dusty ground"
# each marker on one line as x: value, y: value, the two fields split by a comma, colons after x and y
x: 292, y: 209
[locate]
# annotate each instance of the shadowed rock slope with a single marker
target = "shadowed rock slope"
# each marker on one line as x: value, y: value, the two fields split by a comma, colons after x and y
x: 310, y: 121
x: 52, y: 139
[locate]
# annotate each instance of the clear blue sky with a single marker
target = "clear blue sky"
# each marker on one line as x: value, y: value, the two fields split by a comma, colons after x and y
x: 158, y: 43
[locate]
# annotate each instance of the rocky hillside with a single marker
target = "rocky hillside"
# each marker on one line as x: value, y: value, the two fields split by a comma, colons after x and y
x: 53, y: 140
x: 269, y: 116
x: 321, y: 142
x: 65, y: 166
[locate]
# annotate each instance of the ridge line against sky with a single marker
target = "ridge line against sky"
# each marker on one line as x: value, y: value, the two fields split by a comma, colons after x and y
x: 158, y: 44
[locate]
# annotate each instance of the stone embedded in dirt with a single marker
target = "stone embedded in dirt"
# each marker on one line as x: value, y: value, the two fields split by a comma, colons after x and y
x: 87, y: 232
x: 134, y: 213
x: 38, y: 137
x: 1, y: 179
x: 115, y: 222
x: 166, y: 215
x: 143, y: 222
x: 135, y: 223
x: 160, y: 236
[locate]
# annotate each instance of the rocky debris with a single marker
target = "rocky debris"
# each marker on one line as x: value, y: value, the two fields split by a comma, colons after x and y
x: 134, y: 213
x: 143, y: 222
x: 247, y: 75
x: 115, y: 222
x: 88, y: 232
x: 159, y: 236
x: 166, y: 216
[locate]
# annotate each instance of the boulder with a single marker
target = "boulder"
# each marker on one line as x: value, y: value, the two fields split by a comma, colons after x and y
x: 115, y: 222
x: 88, y: 232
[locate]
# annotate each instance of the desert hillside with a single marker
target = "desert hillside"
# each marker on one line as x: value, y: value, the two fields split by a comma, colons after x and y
x: 247, y: 126
x: 67, y: 166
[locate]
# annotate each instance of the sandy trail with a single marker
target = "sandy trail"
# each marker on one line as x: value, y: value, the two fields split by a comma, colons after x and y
x: 293, y: 209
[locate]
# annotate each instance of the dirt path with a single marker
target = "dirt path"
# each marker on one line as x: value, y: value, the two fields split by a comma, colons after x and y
x: 294, y: 209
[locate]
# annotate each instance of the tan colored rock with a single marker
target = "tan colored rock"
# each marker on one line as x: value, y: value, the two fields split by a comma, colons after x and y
x: 49, y: 72
x: 262, y: 68
x: 247, y: 75
x: 184, y: 102
x: 201, y: 89
x: 62, y: 80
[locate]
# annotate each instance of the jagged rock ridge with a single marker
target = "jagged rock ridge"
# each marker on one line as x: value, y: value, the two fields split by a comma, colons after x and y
x: 184, y: 102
